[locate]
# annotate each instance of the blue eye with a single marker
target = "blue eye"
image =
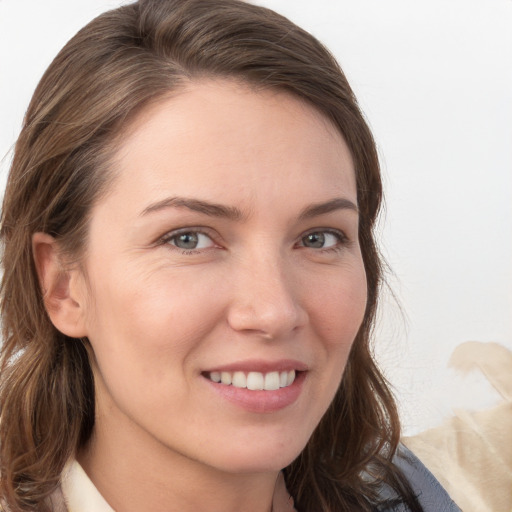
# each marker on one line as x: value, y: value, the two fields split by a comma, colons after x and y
x: 321, y: 240
x: 190, y: 240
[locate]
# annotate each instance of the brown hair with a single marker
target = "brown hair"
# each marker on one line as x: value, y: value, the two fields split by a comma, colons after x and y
x: 111, y: 69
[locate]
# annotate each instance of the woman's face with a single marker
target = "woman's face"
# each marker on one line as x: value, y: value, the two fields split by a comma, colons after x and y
x: 226, y: 249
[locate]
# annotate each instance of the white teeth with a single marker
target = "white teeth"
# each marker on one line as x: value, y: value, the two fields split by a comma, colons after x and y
x: 225, y: 378
x: 239, y: 380
x: 255, y: 380
x: 272, y: 381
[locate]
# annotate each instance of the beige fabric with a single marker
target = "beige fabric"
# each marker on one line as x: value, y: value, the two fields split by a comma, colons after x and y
x: 471, y: 453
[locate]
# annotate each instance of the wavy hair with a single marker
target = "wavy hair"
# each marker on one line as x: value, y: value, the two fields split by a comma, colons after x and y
x: 116, y: 65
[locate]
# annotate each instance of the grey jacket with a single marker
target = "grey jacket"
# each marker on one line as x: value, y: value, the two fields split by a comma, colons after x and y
x: 430, y: 493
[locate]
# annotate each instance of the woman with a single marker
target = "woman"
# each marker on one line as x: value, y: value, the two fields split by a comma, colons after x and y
x: 191, y: 277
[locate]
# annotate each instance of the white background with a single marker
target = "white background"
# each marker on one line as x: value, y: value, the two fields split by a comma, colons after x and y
x: 435, y: 82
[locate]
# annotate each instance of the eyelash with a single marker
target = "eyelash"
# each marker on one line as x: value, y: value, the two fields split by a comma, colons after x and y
x: 343, y: 240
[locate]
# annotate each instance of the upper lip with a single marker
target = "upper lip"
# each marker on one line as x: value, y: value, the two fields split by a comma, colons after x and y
x: 262, y: 366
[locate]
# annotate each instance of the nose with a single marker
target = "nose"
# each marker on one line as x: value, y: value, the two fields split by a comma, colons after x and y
x: 265, y: 299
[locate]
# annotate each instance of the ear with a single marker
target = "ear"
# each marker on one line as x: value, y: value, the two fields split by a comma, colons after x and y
x: 63, y: 289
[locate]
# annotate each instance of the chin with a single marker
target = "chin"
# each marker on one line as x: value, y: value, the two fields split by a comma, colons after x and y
x: 250, y: 465
x: 258, y: 457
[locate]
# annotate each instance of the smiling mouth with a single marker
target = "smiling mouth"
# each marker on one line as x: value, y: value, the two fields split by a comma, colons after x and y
x: 255, y: 381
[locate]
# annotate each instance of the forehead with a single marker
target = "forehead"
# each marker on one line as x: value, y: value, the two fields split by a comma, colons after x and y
x: 225, y: 139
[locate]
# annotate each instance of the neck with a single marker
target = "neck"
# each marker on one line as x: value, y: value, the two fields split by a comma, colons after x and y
x: 136, y: 472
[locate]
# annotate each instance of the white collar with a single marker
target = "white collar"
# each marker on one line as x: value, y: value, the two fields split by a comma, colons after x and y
x: 80, y: 494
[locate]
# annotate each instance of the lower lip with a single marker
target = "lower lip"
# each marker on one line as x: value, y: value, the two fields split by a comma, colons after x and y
x: 260, y: 402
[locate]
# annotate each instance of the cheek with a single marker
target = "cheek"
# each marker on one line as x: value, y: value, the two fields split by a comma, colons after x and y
x: 339, y: 314
x: 340, y: 306
x: 145, y: 336
x: 141, y: 325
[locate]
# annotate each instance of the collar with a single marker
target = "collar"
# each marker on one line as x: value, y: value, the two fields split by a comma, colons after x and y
x: 80, y: 494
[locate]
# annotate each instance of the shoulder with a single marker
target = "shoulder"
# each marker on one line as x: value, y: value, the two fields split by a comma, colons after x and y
x: 430, y: 493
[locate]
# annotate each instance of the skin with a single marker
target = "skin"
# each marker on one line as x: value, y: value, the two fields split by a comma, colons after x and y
x: 256, y: 288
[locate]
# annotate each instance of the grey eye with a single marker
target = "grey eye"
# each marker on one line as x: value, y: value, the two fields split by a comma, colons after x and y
x: 186, y: 241
x: 314, y: 240
x: 320, y: 240
x: 191, y: 240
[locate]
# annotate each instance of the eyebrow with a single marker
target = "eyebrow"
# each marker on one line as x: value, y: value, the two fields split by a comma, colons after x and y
x: 338, y: 203
x: 196, y: 205
x: 234, y: 213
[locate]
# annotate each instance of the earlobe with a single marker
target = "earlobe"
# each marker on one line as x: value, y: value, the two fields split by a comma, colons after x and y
x: 59, y: 286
